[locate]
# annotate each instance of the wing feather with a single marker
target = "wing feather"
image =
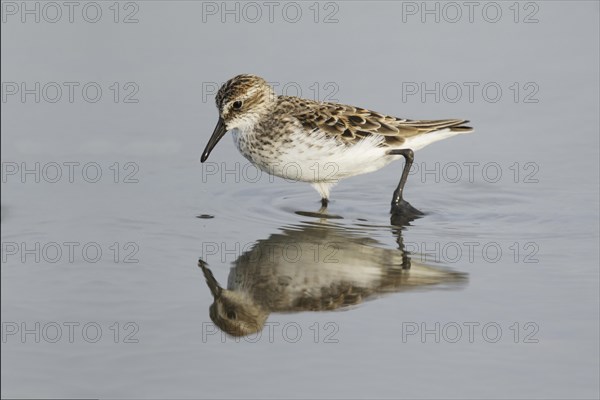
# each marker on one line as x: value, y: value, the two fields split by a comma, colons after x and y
x: 351, y: 124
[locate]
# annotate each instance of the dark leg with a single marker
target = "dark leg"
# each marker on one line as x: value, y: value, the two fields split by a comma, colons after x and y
x: 322, y: 213
x: 400, y: 207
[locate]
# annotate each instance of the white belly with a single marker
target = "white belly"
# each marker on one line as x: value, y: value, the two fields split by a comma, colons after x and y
x: 316, y: 158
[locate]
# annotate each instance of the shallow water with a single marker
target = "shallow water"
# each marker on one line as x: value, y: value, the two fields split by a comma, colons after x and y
x: 522, y: 320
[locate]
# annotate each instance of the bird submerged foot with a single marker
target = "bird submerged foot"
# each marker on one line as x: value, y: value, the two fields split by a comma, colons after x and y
x: 322, y: 213
x: 403, y: 213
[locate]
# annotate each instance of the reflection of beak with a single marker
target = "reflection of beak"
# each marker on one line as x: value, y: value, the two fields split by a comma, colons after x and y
x: 220, y: 131
x: 212, y: 283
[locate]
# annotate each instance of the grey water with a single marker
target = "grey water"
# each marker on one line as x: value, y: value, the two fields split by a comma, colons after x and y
x: 106, y: 208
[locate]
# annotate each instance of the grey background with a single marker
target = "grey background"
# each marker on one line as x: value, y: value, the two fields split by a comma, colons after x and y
x: 369, y: 54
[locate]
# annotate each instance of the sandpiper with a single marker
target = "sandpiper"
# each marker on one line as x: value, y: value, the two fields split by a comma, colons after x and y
x: 320, y: 142
x: 312, y: 267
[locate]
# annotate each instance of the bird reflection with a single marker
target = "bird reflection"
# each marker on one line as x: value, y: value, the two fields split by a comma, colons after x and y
x: 314, y: 267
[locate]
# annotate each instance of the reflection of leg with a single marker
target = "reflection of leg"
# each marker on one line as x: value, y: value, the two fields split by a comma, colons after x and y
x: 399, y: 205
x: 405, y: 254
x: 405, y: 261
x: 321, y: 214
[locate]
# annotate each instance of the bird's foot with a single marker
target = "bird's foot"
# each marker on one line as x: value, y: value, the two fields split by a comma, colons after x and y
x: 322, y: 213
x: 402, y: 212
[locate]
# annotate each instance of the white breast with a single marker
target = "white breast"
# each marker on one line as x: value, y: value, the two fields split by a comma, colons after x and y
x: 320, y: 158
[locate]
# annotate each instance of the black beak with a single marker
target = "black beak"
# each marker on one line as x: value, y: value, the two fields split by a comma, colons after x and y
x: 220, y: 131
x: 212, y: 283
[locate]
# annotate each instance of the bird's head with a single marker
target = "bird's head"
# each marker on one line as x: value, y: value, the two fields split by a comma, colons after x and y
x: 235, y: 313
x: 241, y: 102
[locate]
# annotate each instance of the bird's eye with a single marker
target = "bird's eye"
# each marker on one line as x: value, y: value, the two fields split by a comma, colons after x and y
x: 231, y: 315
x: 237, y: 105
